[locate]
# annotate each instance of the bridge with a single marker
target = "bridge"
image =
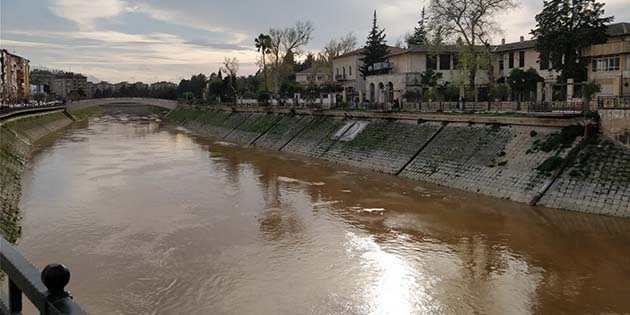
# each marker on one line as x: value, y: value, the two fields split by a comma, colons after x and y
x: 167, y: 104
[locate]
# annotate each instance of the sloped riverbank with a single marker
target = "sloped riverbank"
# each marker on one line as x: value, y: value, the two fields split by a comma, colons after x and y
x: 545, y: 165
x: 16, y: 139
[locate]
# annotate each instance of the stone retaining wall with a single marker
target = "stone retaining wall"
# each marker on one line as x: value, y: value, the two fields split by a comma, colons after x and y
x: 257, y: 125
x: 615, y: 123
x: 494, y: 160
x: 16, y: 137
x: 598, y: 181
x: 383, y: 146
x: 316, y: 138
x: 516, y: 162
x: 283, y: 132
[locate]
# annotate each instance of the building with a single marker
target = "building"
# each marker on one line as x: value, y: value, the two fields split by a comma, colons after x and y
x: 609, y: 64
x: 346, y: 72
x: 404, y: 69
x: 314, y: 75
x: 14, y: 77
x: 61, y: 84
x: 521, y: 55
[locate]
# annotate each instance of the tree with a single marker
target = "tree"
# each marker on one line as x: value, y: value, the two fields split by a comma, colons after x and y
x: 419, y: 36
x: 263, y: 44
x: 430, y: 79
x: 472, y: 21
x: 287, y: 41
x: 338, y: 47
x: 231, y: 66
x: 565, y: 27
x: 375, y: 49
x: 523, y: 82
x: 306, y: 64
x: 198, y: 85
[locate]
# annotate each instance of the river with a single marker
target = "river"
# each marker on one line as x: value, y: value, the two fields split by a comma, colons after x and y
x: 153, y: 220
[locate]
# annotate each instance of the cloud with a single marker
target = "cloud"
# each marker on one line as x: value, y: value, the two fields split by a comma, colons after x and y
x: 149, y: 40
x: 86, y: 12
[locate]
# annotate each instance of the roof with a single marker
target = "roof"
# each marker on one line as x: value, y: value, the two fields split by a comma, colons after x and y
x: 429, y: 49
x: 531, y: 43
x: 391, y: 50
x: 618, y: 29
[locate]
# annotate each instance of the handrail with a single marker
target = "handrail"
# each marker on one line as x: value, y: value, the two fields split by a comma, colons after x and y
x: 46, y: 290
x: 27, y: 110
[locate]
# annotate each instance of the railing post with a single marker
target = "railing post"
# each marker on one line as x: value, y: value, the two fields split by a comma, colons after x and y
x: 15, y: 298
x: 55, y: 277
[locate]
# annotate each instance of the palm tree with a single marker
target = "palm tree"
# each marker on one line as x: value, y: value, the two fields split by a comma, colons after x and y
x: 263, y: 44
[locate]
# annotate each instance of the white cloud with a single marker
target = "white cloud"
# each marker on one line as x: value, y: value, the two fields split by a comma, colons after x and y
x: 86, y: 12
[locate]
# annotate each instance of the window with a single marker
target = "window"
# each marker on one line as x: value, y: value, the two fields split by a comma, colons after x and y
x: 511, y: 60
x: 603, y: 64
x: 501, y: 62
x: 445, y: 62
x: 544, y: 61
x: 521, y: 59
x: 431, y: 62
x: 344, y: 72
x: 349, y: 70
x: 455, y: 62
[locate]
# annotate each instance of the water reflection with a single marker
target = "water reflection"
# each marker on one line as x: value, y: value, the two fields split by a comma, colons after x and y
x: 163, y: 222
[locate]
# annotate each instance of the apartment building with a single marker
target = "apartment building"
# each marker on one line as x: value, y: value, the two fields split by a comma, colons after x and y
x: 521, y: 55
x: 609, y: 64
x: 14, y: 77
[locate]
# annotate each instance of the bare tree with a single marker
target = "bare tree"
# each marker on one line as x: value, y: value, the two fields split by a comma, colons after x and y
x: 287, y: 43
x: 231, y: 66
x: 296, y: 37
x: 338, y: 47
x: 473, y: 21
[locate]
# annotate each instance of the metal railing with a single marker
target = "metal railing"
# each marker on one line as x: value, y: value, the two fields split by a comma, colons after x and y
x: 6, y: 108
x: 46, y: 290
x: 613, y: 102
x: 546, y: 107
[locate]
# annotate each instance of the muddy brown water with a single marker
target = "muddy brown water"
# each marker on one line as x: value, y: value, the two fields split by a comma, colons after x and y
x: 153, y: 220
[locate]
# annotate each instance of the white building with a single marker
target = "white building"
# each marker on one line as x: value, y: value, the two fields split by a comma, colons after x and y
x: 313, y: 75
x: 346, y: 72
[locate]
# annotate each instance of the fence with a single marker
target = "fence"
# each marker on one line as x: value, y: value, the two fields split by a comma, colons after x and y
x: 9, y: 108
x: 554, y: 107
x: 46, y: 290
x: 613, y: 102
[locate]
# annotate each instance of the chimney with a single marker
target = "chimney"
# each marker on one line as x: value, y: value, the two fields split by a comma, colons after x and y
x: 502, y: 41
x: 522, y: 38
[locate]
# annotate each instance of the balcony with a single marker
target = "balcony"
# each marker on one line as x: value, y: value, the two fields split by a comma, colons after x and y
x: 341, y: 77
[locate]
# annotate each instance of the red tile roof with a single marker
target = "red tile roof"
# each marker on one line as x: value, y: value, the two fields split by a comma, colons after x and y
x: 360, y: 51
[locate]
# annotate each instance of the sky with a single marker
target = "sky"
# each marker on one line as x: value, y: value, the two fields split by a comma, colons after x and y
x: 156, y: 40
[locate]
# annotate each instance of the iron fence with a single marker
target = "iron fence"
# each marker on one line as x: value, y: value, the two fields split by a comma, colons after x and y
x: 11, y: 108
x: 551, y: 107
x: 613, y: 102
x: 46, y: 290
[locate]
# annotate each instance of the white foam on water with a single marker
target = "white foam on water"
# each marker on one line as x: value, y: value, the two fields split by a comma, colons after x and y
x: 325, y: 203
x: 297, y: 181
x: 223, y: 143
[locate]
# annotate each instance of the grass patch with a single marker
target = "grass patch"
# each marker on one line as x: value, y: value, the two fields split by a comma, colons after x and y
x: 549, y: 165
x: 85, y: 113
x: 558, y: 141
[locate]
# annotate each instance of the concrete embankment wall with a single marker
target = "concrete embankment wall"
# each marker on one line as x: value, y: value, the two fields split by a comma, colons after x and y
x: 615, y: 123
x: 16, y: 139
x: 519, y: 162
